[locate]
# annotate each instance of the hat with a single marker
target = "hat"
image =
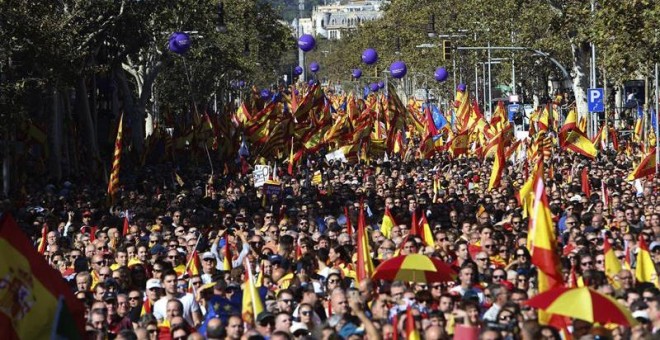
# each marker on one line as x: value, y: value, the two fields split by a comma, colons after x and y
x: 157, y: 249
x: 298, y: 326
x: 576, y: 198
x: 87, y: 213
x: 641, y: 314
x: 275, y: 259
x: 154, y: 283
x: 208, y: 255
x: 109, y: 296
x: 350, y: 329
x: 654, y: 245
x: 263, y: 316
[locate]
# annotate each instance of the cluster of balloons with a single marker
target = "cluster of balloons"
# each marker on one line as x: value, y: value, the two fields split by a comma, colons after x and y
x: 398, y: 69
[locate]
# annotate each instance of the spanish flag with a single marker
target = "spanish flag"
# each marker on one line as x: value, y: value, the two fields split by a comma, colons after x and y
x: 572, y: 138
x: 126, y: 226
x: 498, y: 167
x: 411, y: 330
x: 645, y: 168
x: 427, y: 234
x: 459, y: 144
x: 544, y: 255
x: 226, y: 260
x: 365, y: 267
x: 645, y: 269
x: 43, y: 242
x: 194, y: 264
x: 252, y: 304
x: 35, y: 302
x: 612, y: 264
x: 147, y: 308
x: 388, y: 223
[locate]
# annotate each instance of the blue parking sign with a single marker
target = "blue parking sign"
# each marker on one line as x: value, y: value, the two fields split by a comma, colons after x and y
x: 596, y: 100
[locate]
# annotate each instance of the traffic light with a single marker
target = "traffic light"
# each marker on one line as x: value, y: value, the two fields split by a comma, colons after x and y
x: 446, y: 50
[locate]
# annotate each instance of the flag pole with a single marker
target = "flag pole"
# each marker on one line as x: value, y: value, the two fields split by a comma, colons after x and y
x: 657, y: 110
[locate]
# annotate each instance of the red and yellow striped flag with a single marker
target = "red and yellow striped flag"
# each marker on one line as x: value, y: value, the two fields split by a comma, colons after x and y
x: 194, y: 264
x: 612, y: 264
x: 252, y: 305
x: 498, y: 167
x: 542, y: 231
x: 113, y: 185
x: 365, y: 267
x: 645, y: 168
x: 42, y: 242
x: 226, y: 261
x: 645, y: 269
x: 388, y: 223
x: 36, y: 302
x: 411, y: 329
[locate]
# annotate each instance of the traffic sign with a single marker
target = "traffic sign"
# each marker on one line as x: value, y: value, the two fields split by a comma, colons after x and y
x: 513, y: 109
x: 596, y: 100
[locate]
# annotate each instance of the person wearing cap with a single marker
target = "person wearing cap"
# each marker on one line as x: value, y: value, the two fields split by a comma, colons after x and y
x: 154, y: 291
x: 116, y: 323
x: 209, y: 268
x: 265, y: 323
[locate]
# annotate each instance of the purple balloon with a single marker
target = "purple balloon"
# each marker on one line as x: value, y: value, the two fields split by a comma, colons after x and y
x: 265, y: 93
x: 369, y: 56
x: 314, y: 67
x: 298, y: 71
x: 357, y: 73
x: 381, y: 84
x: 440, y: 74
x: 306, y: 42
x: 373, y: 87
x: 241, y: 83
x: 461, y: 87
x: 398, y: 69
x: 179, y: 42
x: 311, y: 82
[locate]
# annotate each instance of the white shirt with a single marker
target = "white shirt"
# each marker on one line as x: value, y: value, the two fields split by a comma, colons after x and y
x: 189, y: 306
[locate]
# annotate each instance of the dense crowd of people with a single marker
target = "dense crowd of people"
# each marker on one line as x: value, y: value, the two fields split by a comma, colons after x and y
x: 141, y: 285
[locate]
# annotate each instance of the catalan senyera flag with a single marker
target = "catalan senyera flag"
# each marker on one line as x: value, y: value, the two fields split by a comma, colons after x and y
x: 498, y: 167
x: 612, y: 264
x: 364, y: 266
x: 411, y: 330
x: 388, y: 223
x: 645, y: 269
x: 226, y: 260
x: 35, y: 302
x: 646, y: 167
x: 113, y: 184
x: 543, y: 252
x: 252, y: 304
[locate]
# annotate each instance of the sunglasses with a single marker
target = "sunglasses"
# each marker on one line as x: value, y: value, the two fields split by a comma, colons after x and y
x: 305, y: 312
x: 498, y: 277
x: 132, y: 298
x: 588, y: 263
